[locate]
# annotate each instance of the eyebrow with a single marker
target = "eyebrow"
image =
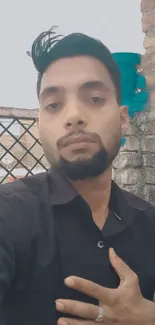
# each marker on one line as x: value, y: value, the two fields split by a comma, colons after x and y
x: 95, y: 84
x: 92, y: 84
x: 49, y: 91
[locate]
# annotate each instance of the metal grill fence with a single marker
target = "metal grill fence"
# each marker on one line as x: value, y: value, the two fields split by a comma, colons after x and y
x: 20, y: 149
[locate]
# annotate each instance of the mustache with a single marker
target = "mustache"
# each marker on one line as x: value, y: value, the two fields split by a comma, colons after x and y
x: 62, y: 142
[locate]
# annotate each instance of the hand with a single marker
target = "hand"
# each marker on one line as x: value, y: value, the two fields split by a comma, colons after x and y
x: 122, y: 306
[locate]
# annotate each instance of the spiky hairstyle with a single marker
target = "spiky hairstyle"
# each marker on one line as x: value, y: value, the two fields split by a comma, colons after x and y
x: 50, y: 46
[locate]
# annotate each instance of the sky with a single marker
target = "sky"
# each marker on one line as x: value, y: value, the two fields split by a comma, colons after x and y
x: 117, y: 23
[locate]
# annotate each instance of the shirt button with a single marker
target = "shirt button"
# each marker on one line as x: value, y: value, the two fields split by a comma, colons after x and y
x: 100, y: 244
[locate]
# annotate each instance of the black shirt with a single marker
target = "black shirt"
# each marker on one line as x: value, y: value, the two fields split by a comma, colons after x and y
x: 47, y: 233
x: 83, y: 248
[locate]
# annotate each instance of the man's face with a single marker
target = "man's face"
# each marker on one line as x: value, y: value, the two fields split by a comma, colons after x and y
x: 80, y: 121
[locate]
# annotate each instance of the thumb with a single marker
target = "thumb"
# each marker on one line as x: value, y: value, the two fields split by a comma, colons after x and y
x: 121, y: 268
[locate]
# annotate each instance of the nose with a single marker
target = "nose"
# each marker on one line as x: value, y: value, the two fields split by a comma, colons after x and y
x: 74, y: 122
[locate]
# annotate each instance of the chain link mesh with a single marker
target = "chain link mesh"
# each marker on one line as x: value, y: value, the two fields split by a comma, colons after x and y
x: 21, y: 152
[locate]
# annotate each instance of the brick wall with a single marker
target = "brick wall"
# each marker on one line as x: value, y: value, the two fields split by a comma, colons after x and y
x: 134, y: 168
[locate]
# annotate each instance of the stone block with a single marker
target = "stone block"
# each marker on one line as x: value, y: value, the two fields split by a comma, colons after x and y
x: 132, y: 144
x: 148, y: 116
x: 151, y: 190
x: 149, y: 160
x: 150, y: 78
x: 148, y: 62
x: 152, y: 96
x: 148, y: 21
x: 150, y: 175
x: 128, y: 159
x: 133, y: 129
x: 148, y: 144
x: 147, y: 6
x: 149, y: 42
x: 129, y: 176
x: 148, y: 127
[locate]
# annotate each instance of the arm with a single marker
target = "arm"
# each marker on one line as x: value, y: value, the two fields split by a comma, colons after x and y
x: 7, y: 266
x: 7, y: 250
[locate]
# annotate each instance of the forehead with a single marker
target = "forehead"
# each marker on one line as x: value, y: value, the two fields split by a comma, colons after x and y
x: 70, y: 72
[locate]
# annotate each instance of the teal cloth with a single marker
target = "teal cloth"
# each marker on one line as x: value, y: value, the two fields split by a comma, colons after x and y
x: 133, y: 84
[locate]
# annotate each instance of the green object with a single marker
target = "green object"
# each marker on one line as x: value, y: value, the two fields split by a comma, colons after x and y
x: 133, y: 83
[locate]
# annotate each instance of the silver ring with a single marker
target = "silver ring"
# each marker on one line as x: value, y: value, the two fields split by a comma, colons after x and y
x: 100, y: 315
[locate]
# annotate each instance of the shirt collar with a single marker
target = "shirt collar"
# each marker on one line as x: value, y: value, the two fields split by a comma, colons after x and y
x: 62, y: 192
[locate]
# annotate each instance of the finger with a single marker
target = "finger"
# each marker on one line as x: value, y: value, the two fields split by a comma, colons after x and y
x: 122, y: 269
x: 77, y: 308
x: 106, y: 295
x: 70, y: 321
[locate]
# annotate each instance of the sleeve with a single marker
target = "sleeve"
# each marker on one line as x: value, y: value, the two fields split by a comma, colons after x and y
x: 7, y: 258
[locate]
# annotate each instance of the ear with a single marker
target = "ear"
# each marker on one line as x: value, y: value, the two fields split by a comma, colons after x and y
x: 37, y: 121
x: 124, y: 119
x: 37, y: 127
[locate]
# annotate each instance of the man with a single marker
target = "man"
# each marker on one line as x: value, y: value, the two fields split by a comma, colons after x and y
x: 74, y: 248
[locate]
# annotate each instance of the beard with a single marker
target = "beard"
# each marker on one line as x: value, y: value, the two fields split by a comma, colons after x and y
x: 86, y: 168
x: 89, y: 168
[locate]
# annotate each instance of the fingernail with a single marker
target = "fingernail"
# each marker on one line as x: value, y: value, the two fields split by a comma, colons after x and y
x: 69, y: 281
x: 113, y: 251
x: 59, y: 305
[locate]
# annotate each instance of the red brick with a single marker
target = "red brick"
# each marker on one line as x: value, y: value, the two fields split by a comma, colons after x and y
x: 147, y: 6
x: 148, y: 21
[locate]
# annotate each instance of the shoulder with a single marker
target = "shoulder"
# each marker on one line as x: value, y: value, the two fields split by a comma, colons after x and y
x: 140, y: 204
x: 30, y: 184
x: 19, y: 205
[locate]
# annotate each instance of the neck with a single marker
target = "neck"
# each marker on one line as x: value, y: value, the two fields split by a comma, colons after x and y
x: 96, y: 192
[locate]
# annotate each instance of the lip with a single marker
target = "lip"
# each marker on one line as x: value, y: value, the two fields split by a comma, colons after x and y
x: 78, y: 139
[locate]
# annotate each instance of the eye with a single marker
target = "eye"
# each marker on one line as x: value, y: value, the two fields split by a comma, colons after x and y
x: 97, y: 100
x: 53, y: 107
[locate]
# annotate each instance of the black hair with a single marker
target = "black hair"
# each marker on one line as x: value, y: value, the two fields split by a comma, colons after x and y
x: 49, y: 47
